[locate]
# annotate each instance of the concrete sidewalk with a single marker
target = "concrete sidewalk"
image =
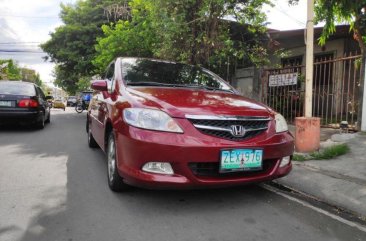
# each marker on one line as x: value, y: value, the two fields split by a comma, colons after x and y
x: 340, y: 181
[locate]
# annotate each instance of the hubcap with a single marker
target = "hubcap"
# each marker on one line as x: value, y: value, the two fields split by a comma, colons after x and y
x: 111, y: 160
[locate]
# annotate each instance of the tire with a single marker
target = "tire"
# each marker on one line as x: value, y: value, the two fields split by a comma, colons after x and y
x: 79, y: 108
x: 91, y: 141
x: 48, y: 120
x: 40, y: 124
x: 115, y: 181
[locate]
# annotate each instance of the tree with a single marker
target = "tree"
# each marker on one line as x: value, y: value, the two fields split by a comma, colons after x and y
x: 9, y: 70
x: 134, y: 37
x: 332, y: 12
x: 30, y: 75
x: 71, y: 46
x: 191, y: 31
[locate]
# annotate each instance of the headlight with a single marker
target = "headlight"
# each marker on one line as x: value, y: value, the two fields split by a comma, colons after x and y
x: 281, y: 124
x: 150, y: 119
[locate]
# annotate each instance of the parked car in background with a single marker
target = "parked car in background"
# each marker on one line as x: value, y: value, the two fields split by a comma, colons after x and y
x: 170, y: 125
x: 59, y: 104
x: 23, y: 102
x: 71, y: 101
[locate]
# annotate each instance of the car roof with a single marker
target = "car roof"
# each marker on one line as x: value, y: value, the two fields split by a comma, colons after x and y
x: 152, y: 59
x: 18, y: 81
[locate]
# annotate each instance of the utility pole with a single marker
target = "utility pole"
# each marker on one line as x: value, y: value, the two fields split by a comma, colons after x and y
x: 307, y: 131
x: 309, y: 59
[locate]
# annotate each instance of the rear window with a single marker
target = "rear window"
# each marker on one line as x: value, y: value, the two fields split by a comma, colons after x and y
x: 17, y: 88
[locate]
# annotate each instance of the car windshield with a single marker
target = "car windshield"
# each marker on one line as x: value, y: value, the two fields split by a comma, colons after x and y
x: 16, y: 88
x: 145, y: 72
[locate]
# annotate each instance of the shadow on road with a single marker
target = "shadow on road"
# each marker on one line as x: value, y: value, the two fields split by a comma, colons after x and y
x: 87, y: 210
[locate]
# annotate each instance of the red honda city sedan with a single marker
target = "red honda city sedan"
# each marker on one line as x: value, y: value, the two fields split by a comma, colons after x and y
x: 170, y: 125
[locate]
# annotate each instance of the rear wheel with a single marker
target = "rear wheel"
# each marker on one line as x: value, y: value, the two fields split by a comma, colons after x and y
x: 40, y: 123
x: 115, y: 181
x: 48, y: 120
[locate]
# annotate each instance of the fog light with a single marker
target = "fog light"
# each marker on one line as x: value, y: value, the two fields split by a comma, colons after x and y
x: 158, y: 167
x: 285, y: 161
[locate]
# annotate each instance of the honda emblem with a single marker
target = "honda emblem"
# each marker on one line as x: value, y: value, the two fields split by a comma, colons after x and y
x: 237, y: 130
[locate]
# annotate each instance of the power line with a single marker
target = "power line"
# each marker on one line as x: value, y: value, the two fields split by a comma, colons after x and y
x: 20, y: 51
x: 19, y: 16
x: 288, y: 15
x: 14, y: 43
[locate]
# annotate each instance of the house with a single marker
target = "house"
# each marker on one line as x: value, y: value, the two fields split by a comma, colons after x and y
x: 281, y: 84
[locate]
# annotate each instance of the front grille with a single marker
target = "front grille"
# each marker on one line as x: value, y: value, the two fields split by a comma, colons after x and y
x: 221, y: 128
x: 211, y: 169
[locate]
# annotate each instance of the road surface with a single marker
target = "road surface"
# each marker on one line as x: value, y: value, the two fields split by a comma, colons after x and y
x: 53, y: 187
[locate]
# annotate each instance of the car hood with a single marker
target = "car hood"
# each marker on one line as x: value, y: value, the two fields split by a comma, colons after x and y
x: 178, y: 102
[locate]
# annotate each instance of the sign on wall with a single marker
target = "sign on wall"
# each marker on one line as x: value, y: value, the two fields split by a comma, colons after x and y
x: 282, y: 79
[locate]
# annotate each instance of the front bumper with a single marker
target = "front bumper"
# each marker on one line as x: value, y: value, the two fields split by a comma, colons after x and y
x: 189, y: 152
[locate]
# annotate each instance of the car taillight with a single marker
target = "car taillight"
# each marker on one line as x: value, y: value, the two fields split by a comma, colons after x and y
x: 28, y: 103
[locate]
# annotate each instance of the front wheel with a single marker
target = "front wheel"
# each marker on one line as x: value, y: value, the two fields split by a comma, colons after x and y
x: 79, y: 108
x: 115, y: 181
x: 91, y: 141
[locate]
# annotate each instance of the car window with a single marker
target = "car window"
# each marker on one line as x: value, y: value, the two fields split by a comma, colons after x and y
x: 110, y: 77
x: 145, y: 71
x: 41, y: 94
x: 17, y: 88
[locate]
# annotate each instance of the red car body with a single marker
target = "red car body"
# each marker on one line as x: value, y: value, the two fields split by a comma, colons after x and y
x: 194, y: 155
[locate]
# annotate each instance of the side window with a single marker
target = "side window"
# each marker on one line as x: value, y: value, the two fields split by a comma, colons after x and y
x: 40, y: 93
x: 110, y: 77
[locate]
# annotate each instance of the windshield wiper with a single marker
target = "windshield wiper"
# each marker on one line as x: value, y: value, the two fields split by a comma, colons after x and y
x: 209, y: 88
x: 148, y: 83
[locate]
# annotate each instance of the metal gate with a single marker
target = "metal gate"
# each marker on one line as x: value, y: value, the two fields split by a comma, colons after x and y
x: 335, y: 90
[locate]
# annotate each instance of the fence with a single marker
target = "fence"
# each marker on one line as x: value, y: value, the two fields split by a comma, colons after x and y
x: 335, y: 90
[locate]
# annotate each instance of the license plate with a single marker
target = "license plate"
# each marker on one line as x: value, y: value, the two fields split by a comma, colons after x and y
x: 241, y: 160
x: 5, y: 103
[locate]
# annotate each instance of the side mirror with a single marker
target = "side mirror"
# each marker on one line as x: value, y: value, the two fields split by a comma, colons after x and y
x: 49, y: 97
x: 99, y: 85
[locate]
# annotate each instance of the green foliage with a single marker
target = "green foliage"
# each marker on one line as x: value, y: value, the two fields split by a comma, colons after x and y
x: 127, y: 38
x: 10, y: 70
x: 328, y: 153
x: 30, y: 75
x: 341, y: 11
x: 299, y: 158
x: 190, y: 31
x: 83, y: 84
x: 332, y: 12
x: 71, y: 46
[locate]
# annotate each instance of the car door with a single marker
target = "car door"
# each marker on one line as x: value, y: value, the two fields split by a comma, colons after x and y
x: 99, y: 109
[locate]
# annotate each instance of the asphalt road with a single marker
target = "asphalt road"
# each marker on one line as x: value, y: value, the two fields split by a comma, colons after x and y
x: 53, y: 187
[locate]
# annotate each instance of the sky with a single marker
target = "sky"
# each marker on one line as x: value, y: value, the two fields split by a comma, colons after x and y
x: 24, y: 24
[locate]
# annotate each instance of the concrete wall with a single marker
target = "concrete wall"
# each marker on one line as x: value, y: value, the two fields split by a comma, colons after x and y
x: 247, y: 81
x: 297, y: 48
